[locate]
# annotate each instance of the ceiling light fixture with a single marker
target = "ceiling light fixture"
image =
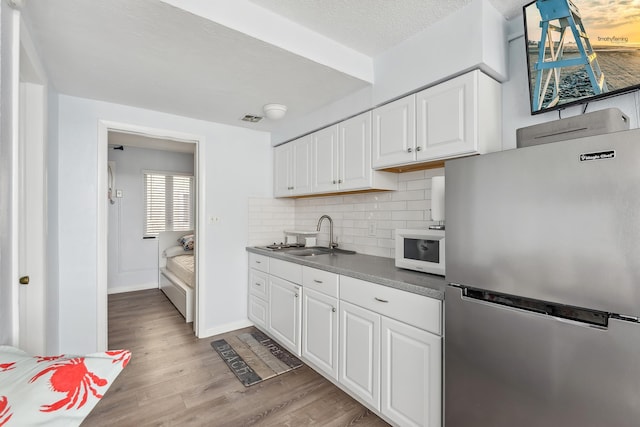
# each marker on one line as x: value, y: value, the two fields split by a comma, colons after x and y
x: 275, y: 111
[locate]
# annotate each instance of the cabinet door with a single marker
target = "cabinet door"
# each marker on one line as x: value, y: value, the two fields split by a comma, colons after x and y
x: 354, y: 152
x: 258, y: 311
x: 410, y: 375
x: 284, y: 313
x: 394, y: 133
x: 282, y: 176
x: 360, y: 352
x: 302, y: 165
x: 320, y: 331
x: 446, y: 116
x: 325, y: 160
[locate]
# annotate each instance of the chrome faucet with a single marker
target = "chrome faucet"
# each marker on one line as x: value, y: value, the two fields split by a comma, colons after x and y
x: 332, y: 244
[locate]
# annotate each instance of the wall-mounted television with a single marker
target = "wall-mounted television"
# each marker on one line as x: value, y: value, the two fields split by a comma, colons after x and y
x: 581, y: 50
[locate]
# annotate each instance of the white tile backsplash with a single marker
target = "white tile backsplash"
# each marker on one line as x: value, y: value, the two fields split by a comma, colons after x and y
x: 365, y: 222
x: 268, y: 218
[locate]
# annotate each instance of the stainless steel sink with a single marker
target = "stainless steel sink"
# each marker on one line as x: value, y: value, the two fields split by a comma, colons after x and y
x: 319, y: 250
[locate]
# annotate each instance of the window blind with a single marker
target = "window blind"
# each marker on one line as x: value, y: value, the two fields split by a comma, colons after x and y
x: 168, y: 203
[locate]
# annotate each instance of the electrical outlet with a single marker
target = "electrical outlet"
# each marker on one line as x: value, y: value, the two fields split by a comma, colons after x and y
x: 372, y: 229
x: 119, y: 194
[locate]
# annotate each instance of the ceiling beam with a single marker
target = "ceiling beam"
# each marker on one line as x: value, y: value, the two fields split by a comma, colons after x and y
x: 262, y: 24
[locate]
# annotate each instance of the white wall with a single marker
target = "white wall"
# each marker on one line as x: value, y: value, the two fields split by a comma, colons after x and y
x: 133, y: 261
x: 53, y: 285
x: 238, y: 165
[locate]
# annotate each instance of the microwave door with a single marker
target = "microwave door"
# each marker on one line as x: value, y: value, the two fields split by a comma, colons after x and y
x: 422, y: 250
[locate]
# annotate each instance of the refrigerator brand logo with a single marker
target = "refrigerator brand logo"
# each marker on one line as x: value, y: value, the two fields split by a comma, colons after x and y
x: 597, y: 156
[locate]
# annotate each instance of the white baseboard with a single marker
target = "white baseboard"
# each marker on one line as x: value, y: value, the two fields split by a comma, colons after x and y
x: 133, y: 288
x: 226, y: 328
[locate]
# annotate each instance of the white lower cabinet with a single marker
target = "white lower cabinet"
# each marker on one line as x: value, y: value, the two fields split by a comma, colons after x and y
x: 258, y: 306
x: 320, y: 331
x: 388, y: 357
x: 284, y: 311
x: 411, y: 378
x: 382, y: 345
x: 360, y: 352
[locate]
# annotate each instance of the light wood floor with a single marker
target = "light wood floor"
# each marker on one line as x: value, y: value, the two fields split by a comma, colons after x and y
x: 175, y: 379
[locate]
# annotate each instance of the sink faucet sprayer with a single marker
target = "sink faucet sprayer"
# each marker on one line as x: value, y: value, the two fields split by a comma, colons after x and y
x: 332, y: 244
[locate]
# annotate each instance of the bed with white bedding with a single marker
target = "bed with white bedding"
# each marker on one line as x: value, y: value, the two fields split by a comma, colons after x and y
x: 176, y: 275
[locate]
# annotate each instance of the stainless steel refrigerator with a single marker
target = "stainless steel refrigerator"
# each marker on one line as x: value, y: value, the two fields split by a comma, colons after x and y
x: 543, y: 257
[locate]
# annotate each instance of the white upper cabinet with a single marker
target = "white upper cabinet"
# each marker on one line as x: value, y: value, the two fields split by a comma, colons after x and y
x: 292, y: 168
x: 394, y: 133
x: 341, y: 159
x: 354, y: 152
x: 282, y: 170
x: 459, y: 117
x: 325, y: 160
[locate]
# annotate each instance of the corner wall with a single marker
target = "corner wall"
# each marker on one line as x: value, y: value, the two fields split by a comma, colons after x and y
x: 8, y: 89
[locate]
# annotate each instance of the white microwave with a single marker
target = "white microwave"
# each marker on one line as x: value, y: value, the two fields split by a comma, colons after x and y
x: 421, y: 250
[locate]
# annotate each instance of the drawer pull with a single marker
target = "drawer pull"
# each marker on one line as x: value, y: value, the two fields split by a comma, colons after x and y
x: 296, y: 295
x: 258, y: 284
x: 258, y: 262
x: 318, y: 281
x: 380, y: 300
x: 333, y: 309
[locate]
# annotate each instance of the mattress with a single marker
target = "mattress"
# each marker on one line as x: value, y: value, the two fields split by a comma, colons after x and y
x: 183, y: 267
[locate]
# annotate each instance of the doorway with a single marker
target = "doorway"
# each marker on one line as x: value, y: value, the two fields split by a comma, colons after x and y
x: 134, y: 138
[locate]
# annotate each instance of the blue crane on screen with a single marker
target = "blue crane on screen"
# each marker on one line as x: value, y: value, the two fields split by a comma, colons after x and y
x: 556, y: 17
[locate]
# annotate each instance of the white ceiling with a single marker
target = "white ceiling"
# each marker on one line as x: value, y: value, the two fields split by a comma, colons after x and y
x: 219, y: 60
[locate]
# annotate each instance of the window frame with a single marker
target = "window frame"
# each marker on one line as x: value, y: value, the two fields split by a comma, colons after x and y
x: 169, y: 223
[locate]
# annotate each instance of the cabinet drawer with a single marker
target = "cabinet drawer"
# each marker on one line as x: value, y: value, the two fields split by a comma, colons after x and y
x: 417, y: 310
x: 320, y: 280
x: 258, y: 284
x: 286, y: 270
x: 259, y: 262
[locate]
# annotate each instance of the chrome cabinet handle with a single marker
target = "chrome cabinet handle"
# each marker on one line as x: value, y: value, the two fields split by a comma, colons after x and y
x: 258, y: 284
x: 333, y: 309
x: 380, y: 300
x: 334, y: 181
x: 258, y: 262
x: 339, y: 181
x: 418, y: 148
x: 409, y: 150
x: 318, y: 281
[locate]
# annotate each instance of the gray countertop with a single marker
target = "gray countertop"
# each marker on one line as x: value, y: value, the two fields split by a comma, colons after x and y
x: 367, y: 267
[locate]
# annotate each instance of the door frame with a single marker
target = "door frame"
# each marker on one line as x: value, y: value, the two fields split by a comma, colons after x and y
x: 104, y: 127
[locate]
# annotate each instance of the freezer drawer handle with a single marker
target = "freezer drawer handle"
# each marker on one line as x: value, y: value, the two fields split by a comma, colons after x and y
x: 578, y: 314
